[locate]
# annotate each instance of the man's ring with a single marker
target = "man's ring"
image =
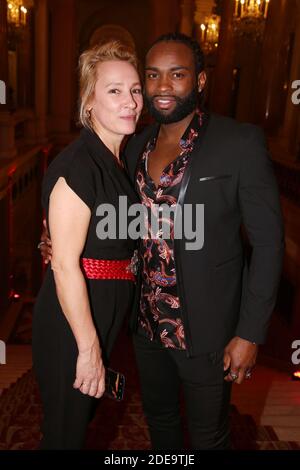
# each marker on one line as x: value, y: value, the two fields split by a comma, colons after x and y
x: 248, y: 374
x: 40, y: 244
x: 233, y: 376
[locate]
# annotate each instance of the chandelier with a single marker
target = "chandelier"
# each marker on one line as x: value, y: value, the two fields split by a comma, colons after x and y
x: 17, y: 12
x: 210, y: 33
x: 250, y: 17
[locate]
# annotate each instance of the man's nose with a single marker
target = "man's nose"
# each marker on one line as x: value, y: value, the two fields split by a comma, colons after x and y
x: 164, y: 84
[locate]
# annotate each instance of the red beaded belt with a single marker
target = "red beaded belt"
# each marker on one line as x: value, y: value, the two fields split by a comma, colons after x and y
x: 108, y: 269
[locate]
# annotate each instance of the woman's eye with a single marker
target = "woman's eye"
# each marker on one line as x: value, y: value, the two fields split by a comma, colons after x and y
x: 114, y: 90
x: 137, y: 91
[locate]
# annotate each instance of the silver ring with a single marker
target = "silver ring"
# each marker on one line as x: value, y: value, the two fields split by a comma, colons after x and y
x: 233, y: 376
x: 248, y: 374
x: 40, y: 244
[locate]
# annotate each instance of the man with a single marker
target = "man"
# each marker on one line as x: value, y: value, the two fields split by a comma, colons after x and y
x: 202, y: 312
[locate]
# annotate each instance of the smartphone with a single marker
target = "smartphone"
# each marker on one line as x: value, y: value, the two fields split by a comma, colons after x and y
x: 114, y: 384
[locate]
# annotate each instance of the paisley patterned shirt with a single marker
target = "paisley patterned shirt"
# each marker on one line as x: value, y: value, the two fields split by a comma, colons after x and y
x: 160, y: 316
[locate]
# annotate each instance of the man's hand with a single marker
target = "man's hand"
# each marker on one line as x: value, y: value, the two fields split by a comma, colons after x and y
x: 45, y: 246
x: 240, y: 357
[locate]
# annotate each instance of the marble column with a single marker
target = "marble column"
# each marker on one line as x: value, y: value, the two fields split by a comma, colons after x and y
x: 297, y: 139
x: 187, y: 17
x: 223, y: 72
x: 4, y: 119
x: 3, y: 42
x: 41, y: 69
x: 64, y: 77
x: 4, y: 253
x: 291, y: 127
x: 272, y: 74
x: 165, y: 17
x: 7, y: 131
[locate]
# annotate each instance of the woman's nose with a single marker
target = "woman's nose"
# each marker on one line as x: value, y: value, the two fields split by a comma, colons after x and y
x: 131, y: 102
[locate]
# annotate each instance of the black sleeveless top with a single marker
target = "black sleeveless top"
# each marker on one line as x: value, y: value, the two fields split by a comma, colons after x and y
x: 94, y: 174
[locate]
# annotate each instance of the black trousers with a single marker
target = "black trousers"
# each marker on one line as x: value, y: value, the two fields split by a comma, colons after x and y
x: 67, y: 411
x: 207, y: 396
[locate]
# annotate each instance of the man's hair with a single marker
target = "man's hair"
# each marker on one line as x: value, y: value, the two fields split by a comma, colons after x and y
x: 88, y: 61
x: 191, y: 43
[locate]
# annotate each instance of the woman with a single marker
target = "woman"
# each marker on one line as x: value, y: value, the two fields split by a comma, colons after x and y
x: 89, y: 288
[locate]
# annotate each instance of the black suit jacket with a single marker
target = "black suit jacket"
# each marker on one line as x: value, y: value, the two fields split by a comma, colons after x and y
x: 230, y: 172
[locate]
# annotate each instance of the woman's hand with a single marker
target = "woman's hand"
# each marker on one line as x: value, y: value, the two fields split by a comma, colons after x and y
x: 90, y: 371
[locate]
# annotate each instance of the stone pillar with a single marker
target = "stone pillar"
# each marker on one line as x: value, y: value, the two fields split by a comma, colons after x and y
x: 25, y: 54
x: 41, y: 69
x: 24, y: 69
x: 4, y: 254
x: 270, y: 94
x: 291, y: 127
x: 223, y: 73
x: 297, y: 139
x: 64, y: 68
x: 187, y: 17
x: 7, y: 136
x: 165, y: 18
x: 7, y: 130
x: 3, y: 44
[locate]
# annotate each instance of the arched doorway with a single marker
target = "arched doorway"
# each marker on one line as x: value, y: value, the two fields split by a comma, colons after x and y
x: 111, y: 31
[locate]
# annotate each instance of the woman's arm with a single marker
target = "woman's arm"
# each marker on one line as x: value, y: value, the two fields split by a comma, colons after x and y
x: 69, y: 219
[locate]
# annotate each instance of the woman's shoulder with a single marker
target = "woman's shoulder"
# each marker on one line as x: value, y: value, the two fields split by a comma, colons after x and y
x: 75, y: 165
x: 75, y: 154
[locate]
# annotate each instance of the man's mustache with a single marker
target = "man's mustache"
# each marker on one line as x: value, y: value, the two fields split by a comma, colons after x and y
x: 171, y: 97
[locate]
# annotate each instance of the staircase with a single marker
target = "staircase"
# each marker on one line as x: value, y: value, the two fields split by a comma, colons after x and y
x: 18, y: 362
x: 273, y: 401
x: 282, y: 410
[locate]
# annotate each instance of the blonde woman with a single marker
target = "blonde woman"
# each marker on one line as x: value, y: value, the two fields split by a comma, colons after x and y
x: 88, y: 288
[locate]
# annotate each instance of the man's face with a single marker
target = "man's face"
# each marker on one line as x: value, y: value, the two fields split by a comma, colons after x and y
x: 171, y: 88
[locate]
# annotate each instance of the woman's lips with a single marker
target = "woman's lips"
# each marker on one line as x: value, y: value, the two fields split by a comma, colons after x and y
x: 164, y: 102
x: 129, y: 118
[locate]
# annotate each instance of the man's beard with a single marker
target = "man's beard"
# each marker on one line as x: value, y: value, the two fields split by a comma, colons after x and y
x: 184, y: 107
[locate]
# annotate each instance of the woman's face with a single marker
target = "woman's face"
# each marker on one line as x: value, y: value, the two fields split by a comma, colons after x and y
x: 117, y: 101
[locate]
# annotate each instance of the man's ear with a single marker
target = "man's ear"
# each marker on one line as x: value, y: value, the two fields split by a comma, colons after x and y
x: 201, y: 81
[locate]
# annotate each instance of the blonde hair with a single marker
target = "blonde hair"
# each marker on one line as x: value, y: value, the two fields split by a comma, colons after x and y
x: 88, y: 61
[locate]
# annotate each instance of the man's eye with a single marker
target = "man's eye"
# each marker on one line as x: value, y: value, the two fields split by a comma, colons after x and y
x: 178, y: 75
x: 151, y: 75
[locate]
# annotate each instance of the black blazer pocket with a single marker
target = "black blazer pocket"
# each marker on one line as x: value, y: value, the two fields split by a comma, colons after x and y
x: 214, y: 178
